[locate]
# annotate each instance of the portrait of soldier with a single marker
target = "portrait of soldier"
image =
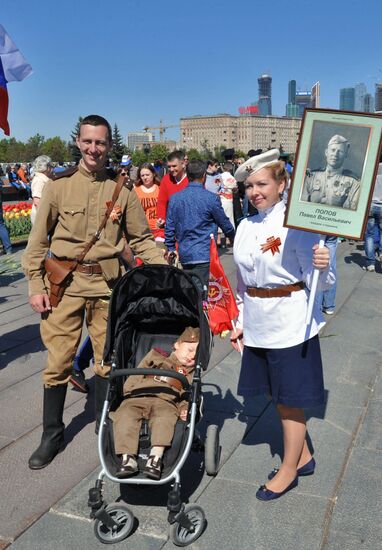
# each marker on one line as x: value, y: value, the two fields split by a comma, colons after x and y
x: 334, y: 185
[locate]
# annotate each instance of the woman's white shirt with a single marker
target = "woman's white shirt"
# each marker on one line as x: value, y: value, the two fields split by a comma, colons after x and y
x: 275, y: 322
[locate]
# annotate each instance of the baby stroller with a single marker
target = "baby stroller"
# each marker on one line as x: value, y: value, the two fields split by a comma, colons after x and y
x: 150, y: 307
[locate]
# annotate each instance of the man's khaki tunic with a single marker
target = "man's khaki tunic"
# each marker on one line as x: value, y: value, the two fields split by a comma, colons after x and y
x: 339, y: 189
x: 158, y: 402
x: 71, y: 209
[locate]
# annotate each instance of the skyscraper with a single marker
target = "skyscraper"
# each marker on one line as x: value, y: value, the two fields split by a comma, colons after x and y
x: 378, y: 97
x: 347, y: 99
x: 292, y: 92
x: 368, y: 103
x: 315, y: 96
x: 303, y: 101
x: 359, y: 98
x: 265, y: 95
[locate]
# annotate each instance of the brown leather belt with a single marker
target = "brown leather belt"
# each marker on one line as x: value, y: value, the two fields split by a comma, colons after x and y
x: 167, y: 380
x: 89, y: 268
x: 277, y: 292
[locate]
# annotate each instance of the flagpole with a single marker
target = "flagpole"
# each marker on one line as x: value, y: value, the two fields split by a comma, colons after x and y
x: 238, y: 341
x: 313, y: 287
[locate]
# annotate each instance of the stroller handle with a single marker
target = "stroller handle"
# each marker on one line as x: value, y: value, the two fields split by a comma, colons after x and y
x: 155, y: 372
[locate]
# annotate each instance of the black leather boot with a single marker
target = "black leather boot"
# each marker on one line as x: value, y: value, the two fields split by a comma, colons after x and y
x: 52, y: 440
x: 100, y: 390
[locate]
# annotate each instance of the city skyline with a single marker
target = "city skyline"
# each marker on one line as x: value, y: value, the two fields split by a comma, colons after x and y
x: 134, y: 64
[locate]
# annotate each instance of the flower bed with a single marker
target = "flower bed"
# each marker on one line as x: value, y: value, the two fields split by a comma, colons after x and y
x: 17, y: 219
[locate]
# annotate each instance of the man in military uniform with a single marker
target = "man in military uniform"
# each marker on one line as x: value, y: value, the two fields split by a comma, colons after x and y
x: 159, y: 399
x: 70, y: 213
x: 333, y: 186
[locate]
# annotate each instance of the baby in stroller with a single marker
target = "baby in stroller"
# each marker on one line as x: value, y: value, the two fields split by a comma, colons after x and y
x: 159, y: 400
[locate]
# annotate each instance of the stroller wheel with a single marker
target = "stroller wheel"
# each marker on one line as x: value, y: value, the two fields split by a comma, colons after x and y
x: 181, y: 536
x: 212, y: 451
x: 123, y: 517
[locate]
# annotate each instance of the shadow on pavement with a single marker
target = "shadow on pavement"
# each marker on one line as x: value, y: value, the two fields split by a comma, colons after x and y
x: 87, y: 416
x: 18, y: 343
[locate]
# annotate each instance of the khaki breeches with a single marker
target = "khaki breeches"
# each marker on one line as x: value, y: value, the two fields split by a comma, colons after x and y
x: 61, y: 334
x: 162, y: 416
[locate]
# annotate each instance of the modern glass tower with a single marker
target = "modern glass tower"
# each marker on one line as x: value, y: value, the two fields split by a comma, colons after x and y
x: 265, y: 95
x: 347, y: 99
x: 378, y: 97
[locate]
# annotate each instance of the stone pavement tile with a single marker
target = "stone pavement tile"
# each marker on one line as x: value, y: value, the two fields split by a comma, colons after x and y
x: 55, y: 532
x: 27, y: 395
x: 358, y: 509
x: 256, y: 455
x: 21, y: 362
x: 371, y: 433
x: 28, y: 493
x: 236, y: 519
x: 341, y: 416
x: 377, y: 390
x: 220, y: 350
x: 220, y: 387
x: 349, y: 362
x: 22, y: 329
x: 342, y: 540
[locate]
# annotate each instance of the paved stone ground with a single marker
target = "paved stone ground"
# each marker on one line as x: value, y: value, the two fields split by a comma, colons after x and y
x: 337, y: 508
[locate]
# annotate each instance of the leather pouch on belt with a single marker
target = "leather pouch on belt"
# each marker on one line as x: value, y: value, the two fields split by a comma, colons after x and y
x: 59, y: 273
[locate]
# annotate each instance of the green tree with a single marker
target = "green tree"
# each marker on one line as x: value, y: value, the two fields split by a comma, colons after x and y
x: 75, y: 153
x: 33, y: 148
x: 206, y: 153
x: 218, y: 153
x: 158, y: 152
x: 240, y: 153
x: 57, y: 149
x: 15, y: 151
x: 118, y: 149
x: 194, y: 154
x: 139, y: 157
x: 4, y: 150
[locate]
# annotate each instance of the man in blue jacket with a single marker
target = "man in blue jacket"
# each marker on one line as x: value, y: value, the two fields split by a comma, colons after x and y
x: 192, y: 216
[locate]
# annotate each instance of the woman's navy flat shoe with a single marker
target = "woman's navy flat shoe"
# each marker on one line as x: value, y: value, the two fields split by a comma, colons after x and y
x: 306, y: 470
x: 266, y: 494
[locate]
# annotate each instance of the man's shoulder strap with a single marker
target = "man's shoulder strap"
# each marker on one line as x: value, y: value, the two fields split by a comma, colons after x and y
x: 64, y: 174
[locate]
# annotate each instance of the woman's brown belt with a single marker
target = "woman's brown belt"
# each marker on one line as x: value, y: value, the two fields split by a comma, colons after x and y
x: 277, y: 292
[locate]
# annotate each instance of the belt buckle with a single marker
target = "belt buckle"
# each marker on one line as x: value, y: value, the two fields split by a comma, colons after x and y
x: 158, y: 378
x: 89, y: 268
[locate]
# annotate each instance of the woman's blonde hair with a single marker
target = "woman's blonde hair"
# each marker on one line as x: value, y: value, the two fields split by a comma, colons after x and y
x: 278, y: 171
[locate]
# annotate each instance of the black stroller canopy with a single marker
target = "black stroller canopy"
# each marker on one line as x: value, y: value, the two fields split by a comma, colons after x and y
x: 157, y: 298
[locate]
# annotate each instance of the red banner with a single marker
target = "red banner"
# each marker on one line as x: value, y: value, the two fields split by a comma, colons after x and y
x: 222, y: 308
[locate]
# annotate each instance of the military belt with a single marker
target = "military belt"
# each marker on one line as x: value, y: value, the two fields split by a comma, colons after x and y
x: 167, y: 380
x: 89, y: 268
x: 276, y: 292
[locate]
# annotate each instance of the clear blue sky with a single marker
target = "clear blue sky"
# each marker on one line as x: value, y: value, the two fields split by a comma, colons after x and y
x: 137, y: 61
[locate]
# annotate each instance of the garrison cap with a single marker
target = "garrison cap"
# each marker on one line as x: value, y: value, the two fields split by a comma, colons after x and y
x: 256, y: 163
x: 338, y: 139
x: 190, y: 334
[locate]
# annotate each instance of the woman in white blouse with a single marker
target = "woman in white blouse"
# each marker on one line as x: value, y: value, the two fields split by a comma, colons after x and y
x: 41, y: 167
x: 281, y: 354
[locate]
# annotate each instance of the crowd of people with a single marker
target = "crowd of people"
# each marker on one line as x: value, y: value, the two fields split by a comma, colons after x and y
x: 162, y: 213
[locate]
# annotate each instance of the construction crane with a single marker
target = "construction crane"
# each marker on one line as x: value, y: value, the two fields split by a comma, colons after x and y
x: 162, y: 128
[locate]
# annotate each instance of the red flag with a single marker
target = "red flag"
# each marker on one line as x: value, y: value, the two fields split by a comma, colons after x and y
x: 222, y: 308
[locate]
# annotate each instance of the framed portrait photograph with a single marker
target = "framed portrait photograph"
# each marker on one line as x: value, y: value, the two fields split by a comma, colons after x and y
x: 334, y: 174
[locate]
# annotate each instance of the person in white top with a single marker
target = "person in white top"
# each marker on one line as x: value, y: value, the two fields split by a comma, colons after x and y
x: 281, y: 354
x: 42, y: 167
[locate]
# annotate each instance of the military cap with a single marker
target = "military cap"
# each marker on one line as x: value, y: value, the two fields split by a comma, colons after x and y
x: 256, y: 163
x: 338, y: 139
x: 190, y: 334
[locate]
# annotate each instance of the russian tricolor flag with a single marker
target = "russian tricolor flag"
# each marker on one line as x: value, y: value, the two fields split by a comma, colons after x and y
x: 13, y: 66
